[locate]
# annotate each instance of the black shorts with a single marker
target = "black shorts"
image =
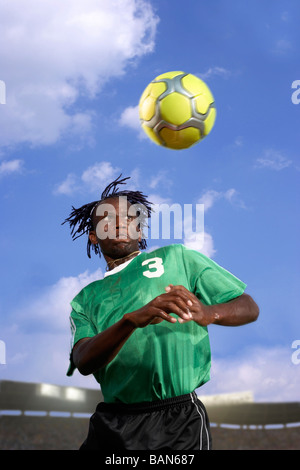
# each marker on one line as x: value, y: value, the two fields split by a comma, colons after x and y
x: 179, y: 423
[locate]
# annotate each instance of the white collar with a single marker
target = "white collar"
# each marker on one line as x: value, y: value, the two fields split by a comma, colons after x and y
x: 120, y: 267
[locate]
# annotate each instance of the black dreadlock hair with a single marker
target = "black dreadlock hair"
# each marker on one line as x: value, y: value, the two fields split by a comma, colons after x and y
x: 81, y: 219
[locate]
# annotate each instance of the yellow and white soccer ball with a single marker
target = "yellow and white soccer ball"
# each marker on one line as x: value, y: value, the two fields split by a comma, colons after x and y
x: 177, y: 110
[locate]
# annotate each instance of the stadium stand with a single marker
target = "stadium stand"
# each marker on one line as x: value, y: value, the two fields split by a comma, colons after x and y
x: 49, y: 417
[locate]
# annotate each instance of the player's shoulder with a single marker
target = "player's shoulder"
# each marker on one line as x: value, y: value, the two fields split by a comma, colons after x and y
x: 87, y: 291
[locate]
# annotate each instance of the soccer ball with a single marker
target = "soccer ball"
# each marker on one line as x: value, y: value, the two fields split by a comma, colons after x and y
x: 177, y: 110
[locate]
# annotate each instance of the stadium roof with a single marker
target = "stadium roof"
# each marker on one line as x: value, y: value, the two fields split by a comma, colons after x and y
x: 235, y: 408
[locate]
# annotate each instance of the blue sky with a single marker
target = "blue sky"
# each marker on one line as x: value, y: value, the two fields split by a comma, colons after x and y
x: 74, y: 72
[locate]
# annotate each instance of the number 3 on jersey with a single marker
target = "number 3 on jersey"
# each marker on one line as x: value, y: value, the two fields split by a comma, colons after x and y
x: 156, y: 268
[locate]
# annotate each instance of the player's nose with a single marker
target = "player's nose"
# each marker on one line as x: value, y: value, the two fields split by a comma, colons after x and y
x: 121, y: 226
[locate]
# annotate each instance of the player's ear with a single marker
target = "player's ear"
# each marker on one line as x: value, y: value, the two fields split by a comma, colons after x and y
x: 93, y: 237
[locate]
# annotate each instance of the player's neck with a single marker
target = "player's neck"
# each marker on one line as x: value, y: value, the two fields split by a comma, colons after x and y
x: 113, y: 263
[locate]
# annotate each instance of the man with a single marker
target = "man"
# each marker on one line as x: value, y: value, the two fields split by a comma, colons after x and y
x: 142, y: 330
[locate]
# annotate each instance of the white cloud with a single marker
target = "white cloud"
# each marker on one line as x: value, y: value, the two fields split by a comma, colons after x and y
x: 202, y: 242
x: 42, y: 357
x: 210, y: 197
x: 53, y: 52
x: 130, y: 118
x: 215, y: 71
x: 38, y: 340
x: 232, y: 196
x: 161, y: 180
x: 52, y: 308
x: 99, y: 175
x: 156, y: 199
x: 273, y: 160
x: 12, y: 166
x: 268, y: 372
x: 68, y: 186
x: 93, y: 179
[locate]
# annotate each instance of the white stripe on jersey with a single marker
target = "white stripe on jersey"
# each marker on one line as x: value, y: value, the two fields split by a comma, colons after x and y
x: 73, y: 331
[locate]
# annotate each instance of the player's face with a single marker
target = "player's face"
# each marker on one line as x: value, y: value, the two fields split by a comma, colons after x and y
x: 115, y: 228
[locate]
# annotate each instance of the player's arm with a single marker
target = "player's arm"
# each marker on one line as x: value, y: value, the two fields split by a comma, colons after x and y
x: 91, y: 354
x: 236, y: 312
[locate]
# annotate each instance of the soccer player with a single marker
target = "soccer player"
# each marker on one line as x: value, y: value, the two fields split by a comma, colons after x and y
x: 142, y: 329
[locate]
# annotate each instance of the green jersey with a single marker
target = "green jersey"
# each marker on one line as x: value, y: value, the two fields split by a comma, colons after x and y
x: 163, y: 360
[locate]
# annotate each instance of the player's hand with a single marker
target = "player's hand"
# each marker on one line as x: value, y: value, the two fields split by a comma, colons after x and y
x: 200, y: 313
x: 160, y: 308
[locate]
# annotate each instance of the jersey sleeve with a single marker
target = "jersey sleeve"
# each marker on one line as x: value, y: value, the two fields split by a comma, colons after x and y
x: 81, y: 327
x: 210, y: 282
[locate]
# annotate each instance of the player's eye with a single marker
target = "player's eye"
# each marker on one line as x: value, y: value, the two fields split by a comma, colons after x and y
x: 126, y: 218
x: 109, y: 218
